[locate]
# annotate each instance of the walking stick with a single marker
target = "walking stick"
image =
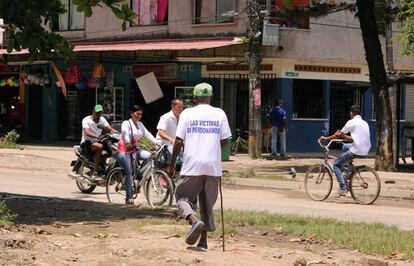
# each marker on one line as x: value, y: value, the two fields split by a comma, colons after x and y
x: 222, y: 214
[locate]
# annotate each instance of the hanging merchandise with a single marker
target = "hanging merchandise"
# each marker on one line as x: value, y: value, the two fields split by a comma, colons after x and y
x: 98, y: 71
x: 12, y: 82
x: 73, y: 74
x: 60, y: 83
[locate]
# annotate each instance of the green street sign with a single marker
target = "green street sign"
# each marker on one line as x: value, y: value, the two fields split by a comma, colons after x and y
x: 292, y: 74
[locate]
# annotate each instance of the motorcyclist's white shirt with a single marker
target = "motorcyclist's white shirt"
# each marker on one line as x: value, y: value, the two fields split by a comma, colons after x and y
x: 168, y: 123
x: 359, y: 130
x: 138, y: 131
x: 88, y: 122
x: 202, y: 128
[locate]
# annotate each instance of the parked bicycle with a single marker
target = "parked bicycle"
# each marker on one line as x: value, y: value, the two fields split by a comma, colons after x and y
x: 362, y: 181
x: 156, y: 184
x: 241, y: 142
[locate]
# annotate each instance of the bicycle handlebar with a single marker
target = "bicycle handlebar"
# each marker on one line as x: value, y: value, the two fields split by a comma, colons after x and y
x: 326, y: 147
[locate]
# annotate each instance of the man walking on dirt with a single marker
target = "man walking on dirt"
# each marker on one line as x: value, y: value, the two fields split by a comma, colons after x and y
x: 205, y: 130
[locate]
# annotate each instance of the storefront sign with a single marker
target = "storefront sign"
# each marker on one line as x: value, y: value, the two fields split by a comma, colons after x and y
x: 292, y: 74
x: 161, y: 71
x: 328, y: 69
x: 9, y: 68
x: 236, y: 67
x: 257, y: 97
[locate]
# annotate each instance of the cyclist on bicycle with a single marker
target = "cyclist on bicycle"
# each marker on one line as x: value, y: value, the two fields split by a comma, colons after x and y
x: 361, y: 143
x: 132, y: 131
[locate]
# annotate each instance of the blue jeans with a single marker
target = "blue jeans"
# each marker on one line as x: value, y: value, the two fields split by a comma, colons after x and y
x: 282, y: 141
x: 345, y: 158
x: 124, y: 160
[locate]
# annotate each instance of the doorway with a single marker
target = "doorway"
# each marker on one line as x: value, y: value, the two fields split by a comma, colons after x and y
x: 342, y: 98
x: 35, y: 112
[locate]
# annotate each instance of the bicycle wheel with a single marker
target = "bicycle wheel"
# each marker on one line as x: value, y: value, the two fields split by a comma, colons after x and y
x: 365, y: 185
x: 318, y: 182
x: 234, y: 147
x: 158, y: 189
x: 115, y: 186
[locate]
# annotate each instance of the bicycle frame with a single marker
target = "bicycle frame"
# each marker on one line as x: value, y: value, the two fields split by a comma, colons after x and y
x: 328, y: 163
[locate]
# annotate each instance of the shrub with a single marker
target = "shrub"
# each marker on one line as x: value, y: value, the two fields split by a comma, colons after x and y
x: 6, y: 216
x: 10, y: 140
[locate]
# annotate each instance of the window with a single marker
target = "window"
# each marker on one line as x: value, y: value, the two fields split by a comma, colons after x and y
x: 308, y: 99
x: 205, y: 12
x: 151, y: 12
x: 300, y: 23
x: 71, y: 20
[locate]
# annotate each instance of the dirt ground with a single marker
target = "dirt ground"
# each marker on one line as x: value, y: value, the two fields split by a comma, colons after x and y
x: 56, y: 231
x: 53, y: 231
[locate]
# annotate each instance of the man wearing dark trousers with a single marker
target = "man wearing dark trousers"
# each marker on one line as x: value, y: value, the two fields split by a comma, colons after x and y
x: 205, y: 130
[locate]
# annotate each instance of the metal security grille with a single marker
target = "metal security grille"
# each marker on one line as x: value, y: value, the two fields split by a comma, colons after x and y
x: 234, y: 96
x: 308, y: 99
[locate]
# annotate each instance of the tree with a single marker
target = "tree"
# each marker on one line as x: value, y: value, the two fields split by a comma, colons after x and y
x: 26, y: 24
x: 368, y: 13
x: 378, y: 78
x: 406, y: 34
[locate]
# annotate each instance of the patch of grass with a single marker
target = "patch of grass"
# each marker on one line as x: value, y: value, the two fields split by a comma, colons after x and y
x: 371, y: 238
x: 367, y: 237
x: 9, y: 140
x: 6, y: 216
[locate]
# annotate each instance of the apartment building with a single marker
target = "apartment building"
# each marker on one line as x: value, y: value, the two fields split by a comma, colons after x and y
x: 317, y: 66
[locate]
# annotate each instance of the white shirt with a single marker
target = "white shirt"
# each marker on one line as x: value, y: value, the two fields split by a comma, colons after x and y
x: 359, y: 130
x: 138, y: 131
x: 202, y: 128
x: 168, y: 123
x: 88, y: 122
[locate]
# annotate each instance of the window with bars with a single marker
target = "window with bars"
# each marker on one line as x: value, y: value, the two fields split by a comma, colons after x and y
x: 308, y: 99
x: 206, y: 12
x: 300, y: 23
x: 150, y: 12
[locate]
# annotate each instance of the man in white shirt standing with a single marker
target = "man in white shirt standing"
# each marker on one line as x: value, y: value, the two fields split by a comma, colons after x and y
x: 205, y: 130
x: 91, y: 132
x: 361, y: 143
x: 167, y: 126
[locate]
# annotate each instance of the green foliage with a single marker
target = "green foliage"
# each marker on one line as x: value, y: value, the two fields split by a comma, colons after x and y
x: 26, y: 24
x: 10, y: 140
x: 406, y: 34
x: 6, y: 216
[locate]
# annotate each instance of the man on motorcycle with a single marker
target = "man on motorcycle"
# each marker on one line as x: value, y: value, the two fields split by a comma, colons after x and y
x: 91, y: 134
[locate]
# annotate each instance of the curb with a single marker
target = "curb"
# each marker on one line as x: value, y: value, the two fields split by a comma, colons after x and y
x: 298, y: 186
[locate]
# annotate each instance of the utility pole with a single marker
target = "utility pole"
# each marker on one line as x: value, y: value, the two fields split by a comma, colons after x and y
x: 253, y: 56
x: 389, y: 54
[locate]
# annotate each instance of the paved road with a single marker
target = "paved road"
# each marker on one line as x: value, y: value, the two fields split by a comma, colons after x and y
x: 57, y: 184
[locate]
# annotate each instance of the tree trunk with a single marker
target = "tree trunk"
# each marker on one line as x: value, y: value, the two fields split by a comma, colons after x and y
x: 378, y: 79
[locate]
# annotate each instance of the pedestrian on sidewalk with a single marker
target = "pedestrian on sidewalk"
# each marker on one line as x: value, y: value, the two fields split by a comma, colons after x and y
x: 205, y: 130
x: 277, y: 117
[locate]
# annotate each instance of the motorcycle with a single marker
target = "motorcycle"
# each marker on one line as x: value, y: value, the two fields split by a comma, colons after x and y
x: 83, y: 166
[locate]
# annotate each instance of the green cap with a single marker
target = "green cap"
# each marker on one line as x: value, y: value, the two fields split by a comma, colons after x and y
x: 98, y: 108
x: 203, y: 90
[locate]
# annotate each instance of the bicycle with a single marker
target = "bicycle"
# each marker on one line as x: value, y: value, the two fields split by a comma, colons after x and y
x: 361, y: 181
x: 241, y: 142
x: 156, y: 184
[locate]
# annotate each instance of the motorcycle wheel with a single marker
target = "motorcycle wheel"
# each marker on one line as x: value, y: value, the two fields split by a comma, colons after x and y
x: 84, y: 188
